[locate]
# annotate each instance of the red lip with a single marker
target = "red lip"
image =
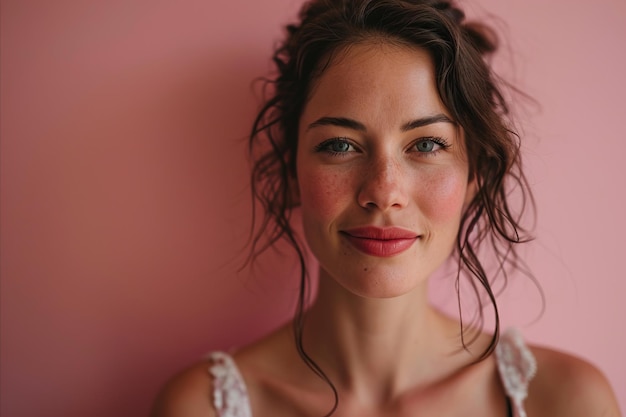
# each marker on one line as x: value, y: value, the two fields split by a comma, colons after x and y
x: 382, y: 242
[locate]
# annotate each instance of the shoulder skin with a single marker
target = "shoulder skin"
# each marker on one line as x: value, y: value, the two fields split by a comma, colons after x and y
x: 569, y: 386
x: 187, y: 394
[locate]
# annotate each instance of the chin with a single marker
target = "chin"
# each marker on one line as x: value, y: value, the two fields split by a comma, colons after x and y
x: 379, y: 282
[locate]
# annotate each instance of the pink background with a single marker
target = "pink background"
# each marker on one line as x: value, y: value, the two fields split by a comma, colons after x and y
x: 124, y: 197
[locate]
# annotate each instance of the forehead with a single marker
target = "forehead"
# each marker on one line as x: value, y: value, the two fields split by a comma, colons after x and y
x: 371, y: 79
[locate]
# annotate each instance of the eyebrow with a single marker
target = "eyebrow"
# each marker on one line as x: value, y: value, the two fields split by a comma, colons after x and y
x: 354, y: 125
x: 338, y: 121
x: 429, y: 120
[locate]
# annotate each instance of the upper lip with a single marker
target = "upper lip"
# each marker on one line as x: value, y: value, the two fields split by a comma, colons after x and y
x: 381, y: 233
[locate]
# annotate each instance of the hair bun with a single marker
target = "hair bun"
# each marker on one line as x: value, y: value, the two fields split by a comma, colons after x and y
x: 482, y: 37
x: 447, y: 8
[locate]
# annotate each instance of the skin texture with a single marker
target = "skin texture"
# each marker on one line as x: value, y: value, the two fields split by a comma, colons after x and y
x: 384, y: 179
x: 371, y: 328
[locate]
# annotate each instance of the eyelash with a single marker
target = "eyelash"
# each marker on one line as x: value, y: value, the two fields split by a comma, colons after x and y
x: 325, y: 145
x: 435, y: 139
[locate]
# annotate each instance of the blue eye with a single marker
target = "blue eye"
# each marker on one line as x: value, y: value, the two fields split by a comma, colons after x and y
x: 335, y: 146
x: 430, y: 145
x: 425, y: 146
x: 338, y: 146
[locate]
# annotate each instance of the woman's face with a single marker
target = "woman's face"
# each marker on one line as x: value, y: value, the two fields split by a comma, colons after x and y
x: 382, y: 170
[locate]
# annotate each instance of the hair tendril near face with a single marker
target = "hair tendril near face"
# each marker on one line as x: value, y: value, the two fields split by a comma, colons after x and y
x: 470, y: 92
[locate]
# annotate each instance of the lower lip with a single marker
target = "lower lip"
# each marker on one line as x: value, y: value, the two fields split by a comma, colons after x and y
x: 381, y: 248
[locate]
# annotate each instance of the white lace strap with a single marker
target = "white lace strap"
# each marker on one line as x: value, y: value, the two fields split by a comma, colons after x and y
x: 517, y: 367
x: 230, y: 397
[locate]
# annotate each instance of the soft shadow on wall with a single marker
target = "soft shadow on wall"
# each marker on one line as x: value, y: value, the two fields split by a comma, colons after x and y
x: 125, y: 205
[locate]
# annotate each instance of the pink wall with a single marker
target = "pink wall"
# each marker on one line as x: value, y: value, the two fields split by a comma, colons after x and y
x: 124, y: 192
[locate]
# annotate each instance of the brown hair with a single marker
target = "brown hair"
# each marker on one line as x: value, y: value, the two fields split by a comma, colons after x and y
x: 468, y: 89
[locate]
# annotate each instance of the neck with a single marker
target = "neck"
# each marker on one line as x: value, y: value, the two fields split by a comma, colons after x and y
x: 377, y: 348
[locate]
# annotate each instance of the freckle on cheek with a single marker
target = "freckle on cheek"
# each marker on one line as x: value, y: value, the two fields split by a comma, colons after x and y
x: 322, y: 194
x: 447, y: 195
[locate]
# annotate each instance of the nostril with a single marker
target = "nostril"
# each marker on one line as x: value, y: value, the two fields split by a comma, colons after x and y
x: 382, y: 186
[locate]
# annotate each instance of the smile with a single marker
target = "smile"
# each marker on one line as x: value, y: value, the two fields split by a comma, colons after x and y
x: 381, y: 242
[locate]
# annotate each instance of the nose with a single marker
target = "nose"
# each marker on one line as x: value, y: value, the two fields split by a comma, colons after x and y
x: 383, y: 186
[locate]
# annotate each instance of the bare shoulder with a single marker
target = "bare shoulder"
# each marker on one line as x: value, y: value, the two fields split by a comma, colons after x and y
x: 186, y: 394
x: 569, y: 386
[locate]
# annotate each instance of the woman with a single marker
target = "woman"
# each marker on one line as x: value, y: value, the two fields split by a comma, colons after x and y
x: 388, y: 130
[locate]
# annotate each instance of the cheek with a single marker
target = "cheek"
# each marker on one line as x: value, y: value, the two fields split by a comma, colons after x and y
x: 321, y: 192
x: 446, y: 196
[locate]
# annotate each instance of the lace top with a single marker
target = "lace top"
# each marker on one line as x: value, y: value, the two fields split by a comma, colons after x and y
x: 230, y: 397
x: 516, y: 365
